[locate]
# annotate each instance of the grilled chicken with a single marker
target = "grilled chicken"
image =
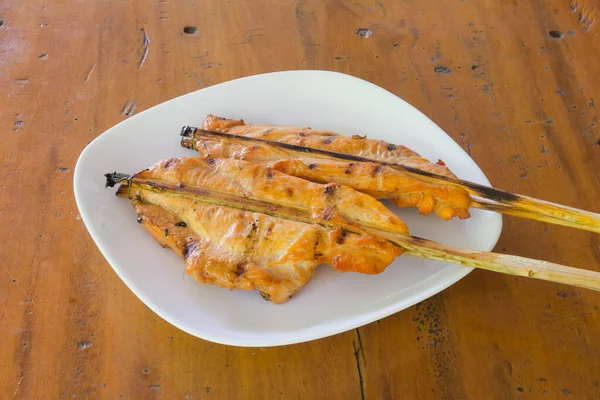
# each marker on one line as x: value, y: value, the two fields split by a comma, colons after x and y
x: 380, y: 181
x: 205, y: 210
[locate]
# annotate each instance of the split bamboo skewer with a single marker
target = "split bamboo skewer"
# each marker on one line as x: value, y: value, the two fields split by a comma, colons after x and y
x: 485, y: 198
x: 507, y: 264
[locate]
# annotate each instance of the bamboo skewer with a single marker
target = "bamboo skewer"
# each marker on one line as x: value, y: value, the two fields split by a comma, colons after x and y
x: 502, y: 263
x: 507, y: 264
x: 485, y: 198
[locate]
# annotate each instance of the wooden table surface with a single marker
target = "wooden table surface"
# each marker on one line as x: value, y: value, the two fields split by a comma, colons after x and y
x: 513, y: 82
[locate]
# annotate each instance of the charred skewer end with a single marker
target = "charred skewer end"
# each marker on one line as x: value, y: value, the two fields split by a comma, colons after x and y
x: 113, y: 178
x: 187, y: 131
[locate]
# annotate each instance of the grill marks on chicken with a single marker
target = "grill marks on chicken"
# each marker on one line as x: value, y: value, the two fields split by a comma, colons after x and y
x: 380, y: 181
x: 333, y: 203
x: 353, y: 145
x: 241, y: 249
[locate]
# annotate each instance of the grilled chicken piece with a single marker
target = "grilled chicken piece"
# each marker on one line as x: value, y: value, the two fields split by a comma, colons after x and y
x: 356, y: 145
x: 327, y: 140
x: 238, y: 248
x: 380, y: 181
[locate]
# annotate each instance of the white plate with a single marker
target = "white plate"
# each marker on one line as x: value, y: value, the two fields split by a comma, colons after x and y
x: 332, y: 302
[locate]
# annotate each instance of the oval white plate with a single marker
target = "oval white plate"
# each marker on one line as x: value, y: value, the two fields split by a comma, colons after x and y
x: 332, y: 302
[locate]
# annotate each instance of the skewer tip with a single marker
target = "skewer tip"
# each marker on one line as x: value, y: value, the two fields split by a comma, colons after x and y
x: 113, y: 178
x: 187, y: 134
x: 187, y: 131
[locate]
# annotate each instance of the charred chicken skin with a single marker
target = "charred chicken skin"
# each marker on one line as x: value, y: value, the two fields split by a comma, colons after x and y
x: 183, y: 204
x: 379, y: 181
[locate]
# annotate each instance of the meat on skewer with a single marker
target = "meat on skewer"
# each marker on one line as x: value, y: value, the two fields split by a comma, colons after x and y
x: 410, y: 181
x: 376, y: 180
x: 242, y: 249
x: 246, y: 226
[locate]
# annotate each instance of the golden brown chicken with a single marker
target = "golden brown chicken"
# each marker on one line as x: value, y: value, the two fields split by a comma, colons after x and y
x: 185, y: 205
x: 380, y: 181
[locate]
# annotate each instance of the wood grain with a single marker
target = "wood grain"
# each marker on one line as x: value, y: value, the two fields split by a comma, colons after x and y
x: 520, y: 100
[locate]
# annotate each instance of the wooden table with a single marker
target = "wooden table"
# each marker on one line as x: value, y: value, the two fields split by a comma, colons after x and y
x: 514, y: 82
